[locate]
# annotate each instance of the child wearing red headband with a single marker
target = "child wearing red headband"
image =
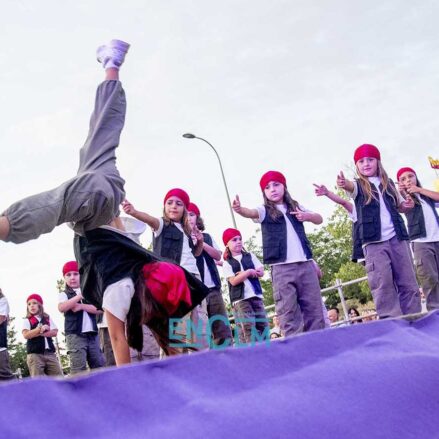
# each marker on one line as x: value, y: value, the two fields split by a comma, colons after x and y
x: 242, y: 271
x: 38, y: 330
x: 206, y: 262
x: 296, y: 288
x: 423, y: 228
x: 80, y: 327
x: 382, y: 234
x: 175, y: 240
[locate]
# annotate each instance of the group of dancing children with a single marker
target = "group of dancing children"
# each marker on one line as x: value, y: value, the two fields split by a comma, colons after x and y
x: 180, y: 278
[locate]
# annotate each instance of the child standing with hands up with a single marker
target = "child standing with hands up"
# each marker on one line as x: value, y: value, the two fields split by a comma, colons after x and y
x: 423, y: 225
x: 382, y: 234
x: 242, y: 271
x: 286, y: 248
x: 176, y: 240
x: 38, y: 330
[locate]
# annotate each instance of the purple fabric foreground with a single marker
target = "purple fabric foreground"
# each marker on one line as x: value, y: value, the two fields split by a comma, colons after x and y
x: 377, y: 380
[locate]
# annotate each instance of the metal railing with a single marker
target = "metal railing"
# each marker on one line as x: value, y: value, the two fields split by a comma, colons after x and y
x: 339, y: 287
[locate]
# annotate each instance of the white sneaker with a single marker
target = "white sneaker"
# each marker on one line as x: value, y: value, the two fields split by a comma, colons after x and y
x: 112, y: 55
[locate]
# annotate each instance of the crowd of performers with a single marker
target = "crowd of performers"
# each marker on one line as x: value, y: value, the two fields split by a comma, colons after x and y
x: 137, y: 294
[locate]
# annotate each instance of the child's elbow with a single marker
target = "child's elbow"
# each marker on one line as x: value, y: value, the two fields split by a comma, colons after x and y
x: 318, y: 219
x: 232, y: 281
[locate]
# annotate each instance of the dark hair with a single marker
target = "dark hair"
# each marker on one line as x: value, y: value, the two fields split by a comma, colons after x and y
x: 335, y: 309
x: 413, y: 196
x: 145, y: 310
x: 200, y: 224
x: 274, y: 213
x: 355, y: 311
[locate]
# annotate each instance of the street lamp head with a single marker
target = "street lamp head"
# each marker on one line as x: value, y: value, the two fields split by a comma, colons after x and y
x: 189, y: 136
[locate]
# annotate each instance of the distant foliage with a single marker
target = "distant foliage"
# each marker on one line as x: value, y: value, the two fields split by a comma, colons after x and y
x: 17, y: 350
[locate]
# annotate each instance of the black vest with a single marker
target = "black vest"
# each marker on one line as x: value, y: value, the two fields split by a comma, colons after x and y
x: 105, y: 257
x: 169, y: 244
x: 210, y: 262
x: 274, y: 238
x: 357, y: 248
x: 36, y: 345
x: 236, y: 292
x: 369, y: 220
x: 73, y: 320
x: 4, y: 334
x: 416, y: 220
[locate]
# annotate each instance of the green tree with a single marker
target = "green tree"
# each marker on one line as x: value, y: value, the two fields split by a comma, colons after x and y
x: 60, y: 285
x: 359, y: 291
x: 64, y: 358
x: 62, y: 351
x: 332, y: 245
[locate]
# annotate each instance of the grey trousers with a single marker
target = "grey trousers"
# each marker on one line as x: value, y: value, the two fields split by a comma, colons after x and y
x: 251, y: 318
x: 83, y: 349
x: 151, y: 349
x: 215, y: 307
x: 106, y: 347
x: 297, y: 298
x: 391, y: 278
x: 92, y: 198
x: 5, y: 367
x: 427, y: 268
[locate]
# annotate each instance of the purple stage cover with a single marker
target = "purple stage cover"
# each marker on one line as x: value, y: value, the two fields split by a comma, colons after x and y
x: 374, y: 380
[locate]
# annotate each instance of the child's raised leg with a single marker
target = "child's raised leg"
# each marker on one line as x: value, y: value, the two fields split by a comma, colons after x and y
x: 91, y: 198
x: 97, y: 173
x: 108, y: 118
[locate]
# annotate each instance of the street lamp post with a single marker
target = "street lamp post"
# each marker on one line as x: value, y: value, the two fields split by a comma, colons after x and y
x: 193, y: 136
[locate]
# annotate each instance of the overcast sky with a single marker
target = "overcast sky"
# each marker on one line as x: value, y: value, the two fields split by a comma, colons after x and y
x: 288, y: 85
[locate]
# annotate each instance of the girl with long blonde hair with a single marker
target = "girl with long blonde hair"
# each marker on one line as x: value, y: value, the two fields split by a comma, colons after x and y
x: 383, y: 235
